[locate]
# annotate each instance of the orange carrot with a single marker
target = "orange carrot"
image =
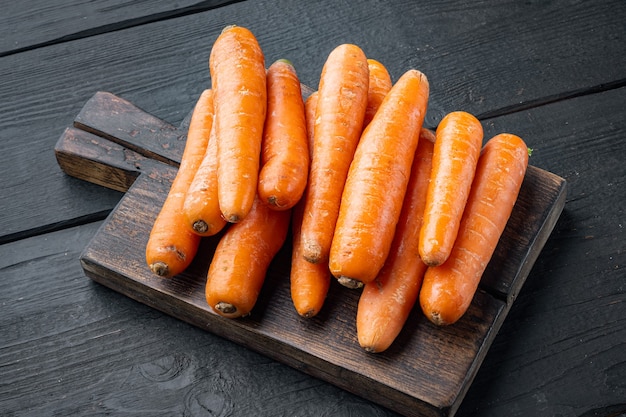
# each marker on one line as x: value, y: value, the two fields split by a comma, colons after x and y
x: 448, y: 289
x: 284, y: 150
x: 376, y: 183
x: 172, y: 245
x: 201, y: 208
x: 310, y: 107
x: 309, y: 282
x: 459, y: 139
x: 237, y: 67
x: 241, y: 259
x: 385, y: 303
x: 379, y: 85
x: 342, y: 99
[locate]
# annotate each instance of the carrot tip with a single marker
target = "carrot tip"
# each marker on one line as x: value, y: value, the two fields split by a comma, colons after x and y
x: 200, y: 226
x: 160, y: 268
x: 233, y: 218
x: 308, y: 314
x: 436, y: 318
x: 350, y: 283
x: 286, y: 61
x: 370, y: 349
x: 312, y: 252
x: 227, y: 28
x: 225, y: 308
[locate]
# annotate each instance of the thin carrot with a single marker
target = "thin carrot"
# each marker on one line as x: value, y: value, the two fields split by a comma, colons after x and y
x: 385, y: 303
x: 458, y: 144
x: 342, y: 99
x: 241, y: 259
x: 201, y: 208
x: 448, y: 289
x: 284, y: 150
x: 376, y: 183
x: 309, y: 282
x: 237, y: 67
x: 171, y: 244
x: 379, y: 85
x: 310, y: 107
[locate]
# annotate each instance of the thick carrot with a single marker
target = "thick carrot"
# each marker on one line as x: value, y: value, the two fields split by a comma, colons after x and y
x: 172, y: 245
x: 201, y: 208
x: 376, y: 183
x: 379, y: 85
x: 342, y: 99
x: 284, y: 150
x: 385, y: 303
x: 309, y: 282
x: 237, y: 67
x: 458, y: 144
x: 241, y: 259
x: 448, y: 289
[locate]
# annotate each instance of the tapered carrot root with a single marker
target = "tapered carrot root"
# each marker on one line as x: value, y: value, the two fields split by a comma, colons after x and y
x: 458, y: 144
x: 377, y: 181
x: 342, y: 99
x: 172, y: 245
x: 285, y: 150
x: 379, y: 85
x: 310, y: 107
x: 237, y: 67
x: 309, y: 282
x: 386, y: 302
x: 241, y: 259
x: 448, y: 289
x: 201, y: 208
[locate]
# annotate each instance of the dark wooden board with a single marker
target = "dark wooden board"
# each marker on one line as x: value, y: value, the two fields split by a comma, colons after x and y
x: 44, y: 23
x: 426, y: 372
x: 555, y: 49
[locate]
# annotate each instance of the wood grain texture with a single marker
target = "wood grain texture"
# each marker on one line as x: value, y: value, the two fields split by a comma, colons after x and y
x: 70, y: 347
x: 566, y: 332
x: 43, y: 23
x: 411, y: 378
x: 553, y: 69
x: 162, y: 67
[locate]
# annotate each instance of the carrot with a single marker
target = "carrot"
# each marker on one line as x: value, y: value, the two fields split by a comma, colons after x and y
x: 376, y: 183
x: 448, y: 289
x: 379, y: 85
x: 309, y: 282
x: 310, y: 107
x: 459, y: 139
x: 241, y: 259
x: 171, y: 244
x: 201, y: 208
x: 284, y: 150
x: 385, y: 303
x: 237, y: 67
x: 342, y: 99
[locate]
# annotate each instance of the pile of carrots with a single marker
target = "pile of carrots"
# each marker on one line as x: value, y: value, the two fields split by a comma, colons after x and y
x: 372, y: 198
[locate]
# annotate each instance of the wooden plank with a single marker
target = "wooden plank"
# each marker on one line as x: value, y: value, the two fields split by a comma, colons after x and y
x: 77, y: 348
x: 31, y: 24
x: 70, y: 347
x: 560, y: 350
x: 162, y: 67
x: 396, y: 379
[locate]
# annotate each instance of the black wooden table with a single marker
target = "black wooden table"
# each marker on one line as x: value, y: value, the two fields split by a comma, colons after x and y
x: 552, y: 72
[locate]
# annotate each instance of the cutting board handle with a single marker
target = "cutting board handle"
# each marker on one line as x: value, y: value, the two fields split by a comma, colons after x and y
x: 113, y: 141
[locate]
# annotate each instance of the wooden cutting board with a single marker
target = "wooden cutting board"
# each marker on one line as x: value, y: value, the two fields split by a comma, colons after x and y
x: 426, y: 372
